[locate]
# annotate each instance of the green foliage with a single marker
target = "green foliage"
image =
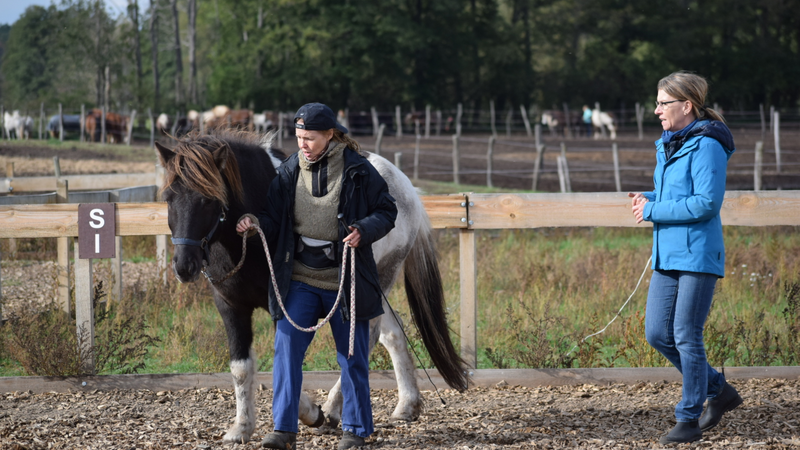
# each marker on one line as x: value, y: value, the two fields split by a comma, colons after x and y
x: 278, y: 54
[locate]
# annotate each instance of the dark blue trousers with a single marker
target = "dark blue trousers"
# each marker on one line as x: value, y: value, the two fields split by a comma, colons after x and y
x: 305, y: 305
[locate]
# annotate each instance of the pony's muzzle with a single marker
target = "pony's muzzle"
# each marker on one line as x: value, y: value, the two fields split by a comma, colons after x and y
x: 187, y: 263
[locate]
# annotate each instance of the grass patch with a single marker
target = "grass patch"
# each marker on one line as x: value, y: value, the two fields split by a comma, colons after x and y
x: 540, y: 292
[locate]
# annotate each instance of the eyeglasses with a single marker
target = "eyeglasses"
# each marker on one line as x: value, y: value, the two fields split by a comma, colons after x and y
x: 663, y: 105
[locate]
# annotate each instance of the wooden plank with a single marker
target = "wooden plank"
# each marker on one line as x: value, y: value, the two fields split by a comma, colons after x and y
x: 31, y: 199
x: 33, y: 221
x: 469, y: 297
x: 381, y: 379
x: 612, y: 209
x: 78, y: 182
x: 84, y: 309
x: 446, y: 211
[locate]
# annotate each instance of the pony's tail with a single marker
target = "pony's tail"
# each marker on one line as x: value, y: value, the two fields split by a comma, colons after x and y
x: 425, y: 293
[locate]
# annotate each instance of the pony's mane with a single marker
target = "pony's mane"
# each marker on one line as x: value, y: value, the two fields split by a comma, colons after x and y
x: 196, y: 163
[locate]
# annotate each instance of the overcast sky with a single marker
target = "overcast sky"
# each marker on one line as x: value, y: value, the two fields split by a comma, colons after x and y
x: 10, y: 10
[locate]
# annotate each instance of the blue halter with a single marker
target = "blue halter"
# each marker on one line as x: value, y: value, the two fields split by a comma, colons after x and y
x: 203, y: 244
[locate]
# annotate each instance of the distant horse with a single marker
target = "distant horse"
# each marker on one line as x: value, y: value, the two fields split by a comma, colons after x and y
x: 554, y: 120
x: 211, y: 180
x: 70, y: 122
x: 116, y: 126
x: 167, y: 125
x: 17, y: 126
x: 241, y: 119
x: 266, y: 121
x: 602, y: 119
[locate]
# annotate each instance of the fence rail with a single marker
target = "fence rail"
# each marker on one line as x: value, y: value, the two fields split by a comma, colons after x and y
x: 467, y: 212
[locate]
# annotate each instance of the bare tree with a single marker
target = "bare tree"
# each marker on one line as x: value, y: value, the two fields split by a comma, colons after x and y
x: 154, y: 45
x: 192, y: 12
x: 133, y: 12
x: 178, y: 57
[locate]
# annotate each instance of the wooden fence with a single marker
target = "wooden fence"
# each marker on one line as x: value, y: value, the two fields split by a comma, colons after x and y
x: 466, y: 212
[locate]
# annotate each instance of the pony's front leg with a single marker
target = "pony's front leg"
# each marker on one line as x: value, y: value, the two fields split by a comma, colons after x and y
x: 409, y: 402
x: 238, y: 325
x: 244, y: 383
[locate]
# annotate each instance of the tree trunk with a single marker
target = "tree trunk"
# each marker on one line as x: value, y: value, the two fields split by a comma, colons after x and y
x: 178, y: 57
x: 133, y: 11
x: 154, y: 45
x: 192, y: 11
x: 99, y: 33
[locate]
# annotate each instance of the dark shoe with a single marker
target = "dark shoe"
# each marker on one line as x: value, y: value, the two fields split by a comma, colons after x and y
x: 727, y: 400
x: 682, y: 433
x: 282, y: 440
x: 350, y: 440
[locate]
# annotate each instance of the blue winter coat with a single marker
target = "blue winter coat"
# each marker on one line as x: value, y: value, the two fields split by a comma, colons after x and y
x: 688, y: 195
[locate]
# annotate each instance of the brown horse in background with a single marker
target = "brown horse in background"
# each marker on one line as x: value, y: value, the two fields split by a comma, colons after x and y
x: 116, y: 126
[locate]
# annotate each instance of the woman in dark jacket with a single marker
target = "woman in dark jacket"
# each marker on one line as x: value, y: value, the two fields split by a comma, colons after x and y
x: 325, y: 199
x: 688, y: 251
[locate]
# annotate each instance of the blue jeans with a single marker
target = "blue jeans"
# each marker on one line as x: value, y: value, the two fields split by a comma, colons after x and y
x: 677, y: 308
x: 305, y: 305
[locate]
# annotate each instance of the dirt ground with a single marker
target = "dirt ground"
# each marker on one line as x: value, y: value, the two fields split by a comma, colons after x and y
x: 504, y: 417
x: 588, y: 416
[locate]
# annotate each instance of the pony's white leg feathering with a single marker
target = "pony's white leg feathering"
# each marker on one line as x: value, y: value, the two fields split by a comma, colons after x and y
x: 244, y: 382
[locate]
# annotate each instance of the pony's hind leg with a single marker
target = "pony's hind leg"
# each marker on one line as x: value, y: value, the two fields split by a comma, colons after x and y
x: 409, y: 401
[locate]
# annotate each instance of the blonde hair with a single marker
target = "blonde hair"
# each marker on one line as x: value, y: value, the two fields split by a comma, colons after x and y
x: 685, y: 86
x: 338, y: 136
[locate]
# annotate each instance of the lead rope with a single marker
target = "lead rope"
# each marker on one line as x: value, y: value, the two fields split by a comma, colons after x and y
x: 327, y: 318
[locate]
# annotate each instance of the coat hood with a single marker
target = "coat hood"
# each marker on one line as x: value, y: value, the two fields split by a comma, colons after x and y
x: 714, y: 129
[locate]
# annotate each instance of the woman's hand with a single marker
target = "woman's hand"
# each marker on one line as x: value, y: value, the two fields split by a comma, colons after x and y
x: 354, y: 238
x: 637, y: 205
x: 244, y: 225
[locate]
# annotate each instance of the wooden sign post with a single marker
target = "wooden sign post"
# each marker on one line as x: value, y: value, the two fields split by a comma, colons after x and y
x: 96, y: 231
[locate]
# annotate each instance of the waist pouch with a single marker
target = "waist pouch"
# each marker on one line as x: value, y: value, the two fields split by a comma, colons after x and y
x: 315, y: 253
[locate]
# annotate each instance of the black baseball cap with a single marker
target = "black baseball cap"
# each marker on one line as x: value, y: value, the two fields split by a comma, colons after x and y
x: 317, y: 116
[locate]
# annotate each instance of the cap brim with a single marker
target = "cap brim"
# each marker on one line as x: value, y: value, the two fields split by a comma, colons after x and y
x: 341, y: 128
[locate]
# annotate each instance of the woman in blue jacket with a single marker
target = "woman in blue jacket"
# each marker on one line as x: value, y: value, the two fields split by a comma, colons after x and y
x: 688, y: 251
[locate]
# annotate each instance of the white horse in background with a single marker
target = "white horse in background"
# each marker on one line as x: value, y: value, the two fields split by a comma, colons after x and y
x: 602, y: 119
x: 20, y: 127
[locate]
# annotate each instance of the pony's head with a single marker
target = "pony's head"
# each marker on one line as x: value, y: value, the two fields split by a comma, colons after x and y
x: 201, y: 180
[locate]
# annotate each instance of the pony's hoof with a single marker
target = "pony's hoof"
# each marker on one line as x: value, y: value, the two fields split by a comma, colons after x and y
x: 237, y: 435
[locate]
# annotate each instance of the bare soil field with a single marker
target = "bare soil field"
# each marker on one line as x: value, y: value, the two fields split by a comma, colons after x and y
x: 504, y: 417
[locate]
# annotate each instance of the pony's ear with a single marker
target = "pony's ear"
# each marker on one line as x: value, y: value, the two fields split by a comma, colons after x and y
x: 164, y: 154
x: 221, y: 157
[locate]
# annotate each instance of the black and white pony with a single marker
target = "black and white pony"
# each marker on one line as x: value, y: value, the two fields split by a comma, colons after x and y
x: 211, y: 180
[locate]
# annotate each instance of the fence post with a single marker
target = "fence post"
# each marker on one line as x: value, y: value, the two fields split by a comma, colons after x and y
x: 375, y: 121
x: 103, y: 125
x: 640, y: 119
x: 12, y: 242
x: 537, y: 131
x: 130, y: 128
x: 379, y: 139
x: 615, y: 155
x: 537, y: 165
x: 492, y: 116
x: 763, y: 121
x: 427, y: 121
x: 490, y: 161
x: 60, y: 123
x: 758, y: 166
x: 399, y: 120
x: 777, y: 122
x: 416, y: 127
x: 152, y: 128
x: 560, y: 163
x: 84, y: 309
x: 509, y: 118
x: 63, y: 245
x: 469, y: 293
x: 41, y: 120
x: 2, y: 123
x: 416, y: 158
x: 398, y: 160
x: 564, y: 169
x: 459, y: 113
x: 525, y: 120
x: 280, y: 130
x: 57, y: 166
x: 456, y: 160
x: 83, y: 123
x: 115, y: 294
x: 567, y: 122
x: 438, y: 122
x: 161, y: 239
